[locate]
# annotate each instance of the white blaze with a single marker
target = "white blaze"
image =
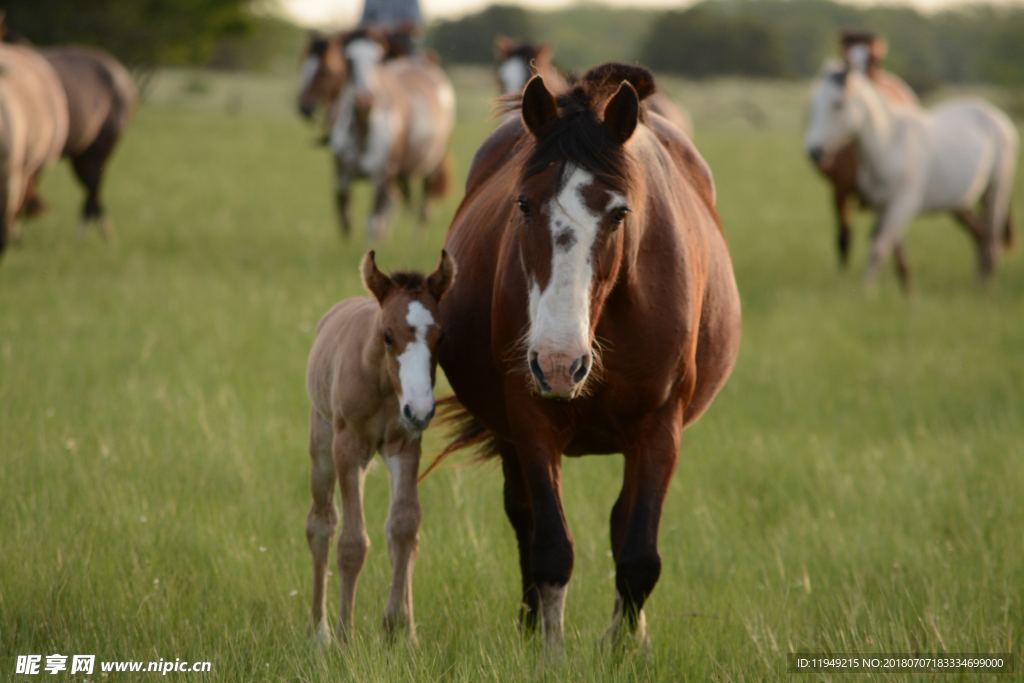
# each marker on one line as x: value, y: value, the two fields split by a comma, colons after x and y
x: 560, y: 314
x: 513, y: 74
x: 414, y: 364
x: 364, y: 54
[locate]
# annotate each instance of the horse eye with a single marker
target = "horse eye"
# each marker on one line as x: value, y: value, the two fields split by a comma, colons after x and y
x: 388, y: 339
x: 524, y: 206
x: 619, y: 215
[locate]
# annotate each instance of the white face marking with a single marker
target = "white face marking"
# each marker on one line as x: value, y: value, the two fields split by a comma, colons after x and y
x: 859, y: 56
x: 560, y: 314
x: 309, y: 69
x: 414, y: 365
x: 363, y: 54
x: 513, y: 74
x: 827, y: 126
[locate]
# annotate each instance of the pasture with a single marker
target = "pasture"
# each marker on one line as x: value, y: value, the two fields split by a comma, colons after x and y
x: 857, y: 486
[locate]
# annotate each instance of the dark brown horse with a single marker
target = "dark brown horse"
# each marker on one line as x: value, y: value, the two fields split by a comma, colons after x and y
x: 101, y: 99
x: 842, y: 168
x: 596, y: 312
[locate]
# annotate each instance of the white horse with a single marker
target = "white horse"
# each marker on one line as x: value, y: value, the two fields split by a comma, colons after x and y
x: 916, y: 161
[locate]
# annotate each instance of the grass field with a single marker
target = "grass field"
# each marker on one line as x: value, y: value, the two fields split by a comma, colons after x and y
x: 857, y: 486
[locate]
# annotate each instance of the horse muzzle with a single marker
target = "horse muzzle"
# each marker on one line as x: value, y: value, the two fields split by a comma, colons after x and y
x: 559, y: 375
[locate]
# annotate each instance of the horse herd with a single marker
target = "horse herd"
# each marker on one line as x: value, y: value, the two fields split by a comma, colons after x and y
x: 584, y: 301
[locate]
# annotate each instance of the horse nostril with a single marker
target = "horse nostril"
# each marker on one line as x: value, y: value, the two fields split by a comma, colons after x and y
x: 580, y: 367
x: 407, y: 411
x: 815, y: 153
x: 538, y: 374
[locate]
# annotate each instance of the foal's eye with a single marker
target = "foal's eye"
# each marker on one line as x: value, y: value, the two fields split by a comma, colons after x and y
x: 388, y: 339
x: 619, y: 214
x: 524, y: 206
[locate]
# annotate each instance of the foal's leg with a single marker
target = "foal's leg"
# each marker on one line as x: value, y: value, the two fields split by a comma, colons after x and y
x: 402, y: 526
x: 322, y: 519
x: 350, y: 459
x: 649, y: 463
x: 840, y: 198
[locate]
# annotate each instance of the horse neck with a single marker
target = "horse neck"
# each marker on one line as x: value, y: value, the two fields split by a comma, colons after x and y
x: 875, y: 136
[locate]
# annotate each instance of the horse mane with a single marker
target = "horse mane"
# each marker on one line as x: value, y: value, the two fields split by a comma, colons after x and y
x: 577, y: 136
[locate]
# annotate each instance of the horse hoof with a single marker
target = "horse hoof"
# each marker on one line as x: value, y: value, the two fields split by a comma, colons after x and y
x: 321, y: 636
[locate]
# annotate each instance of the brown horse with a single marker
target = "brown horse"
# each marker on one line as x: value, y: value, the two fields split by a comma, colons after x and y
x: 596, y: 312
x: 370, y: 381
x: 33, y: 128
x: 517, y: 62
x: 101, y: 98
x: 392, y: 124
x: 841, y: 169
x: 323, y: 70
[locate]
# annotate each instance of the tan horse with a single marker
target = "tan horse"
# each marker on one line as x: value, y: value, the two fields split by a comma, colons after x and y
x: 518, y: 62
x: 370, y: 381
x: 596, y: 313
x: 33, y: 128
x: 101, y: 98
x: 393, y: 122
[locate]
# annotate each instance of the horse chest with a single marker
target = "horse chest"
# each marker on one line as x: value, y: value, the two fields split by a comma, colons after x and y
x: 364, y: 149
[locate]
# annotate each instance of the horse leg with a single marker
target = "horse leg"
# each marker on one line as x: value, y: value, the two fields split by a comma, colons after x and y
x: 889, y: 228
x: 89, y: 167
x: 322, y: 519
x: 902, y: 268
x: 342, y: 184
x: 377, y: 226
x: 840, y: 199
x: 435, y: 186
x: 551, y: 548
x: 649, y: 463
x: 971, y: 224
x: 517, y: 509
x: 402, y: 526
x: 350, y: 461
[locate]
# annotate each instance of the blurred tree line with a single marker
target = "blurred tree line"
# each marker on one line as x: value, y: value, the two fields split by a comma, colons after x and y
x: 759, y: 38
x: 239, y: 34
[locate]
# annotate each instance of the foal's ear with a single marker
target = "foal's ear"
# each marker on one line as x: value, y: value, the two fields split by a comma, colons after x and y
x: 376, y: 282
x: 622, y: 113
x: 442, y: 278
x: 539, y: 107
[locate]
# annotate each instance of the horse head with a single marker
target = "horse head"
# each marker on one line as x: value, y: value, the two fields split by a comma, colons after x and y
x: 517, y: 62
x: 574, y: 197
x: 836, y: 112
x: 323, y: 72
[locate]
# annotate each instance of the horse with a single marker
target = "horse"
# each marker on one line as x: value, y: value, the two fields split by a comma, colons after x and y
x: 596, y: 312
x: 101, y: 99
x: 33, y: 129
x: 370, y: 381
x: 947, y: 158
x: 393, y: 122
x: 841, y: 168
x: 517, y: 62
x: 323, y: 70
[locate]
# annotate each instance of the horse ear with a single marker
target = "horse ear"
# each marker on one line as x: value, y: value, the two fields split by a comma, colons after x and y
x: 376, y: 282
x: 544, y: 54
x: 441, y: 279
x: 879, y: 49
x: 502, y: 46
x: 622, y: 113
x: 539, y: 107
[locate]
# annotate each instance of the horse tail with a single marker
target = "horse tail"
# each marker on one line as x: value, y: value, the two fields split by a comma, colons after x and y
x: 464, y: 431
x: 438, y: 183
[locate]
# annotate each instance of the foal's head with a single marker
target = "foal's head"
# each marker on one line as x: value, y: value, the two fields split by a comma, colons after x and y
x: 517, y: 62
x: 409, y: 330
x: 574, y: 199
x: 836, y: 112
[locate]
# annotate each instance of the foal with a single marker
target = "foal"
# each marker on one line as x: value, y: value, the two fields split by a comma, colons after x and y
x: 370, y: 381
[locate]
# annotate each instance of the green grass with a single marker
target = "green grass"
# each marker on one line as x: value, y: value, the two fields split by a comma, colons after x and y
x: 856, y: 486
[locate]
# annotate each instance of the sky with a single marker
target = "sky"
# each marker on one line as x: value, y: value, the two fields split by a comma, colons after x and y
x: 342, y: 12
